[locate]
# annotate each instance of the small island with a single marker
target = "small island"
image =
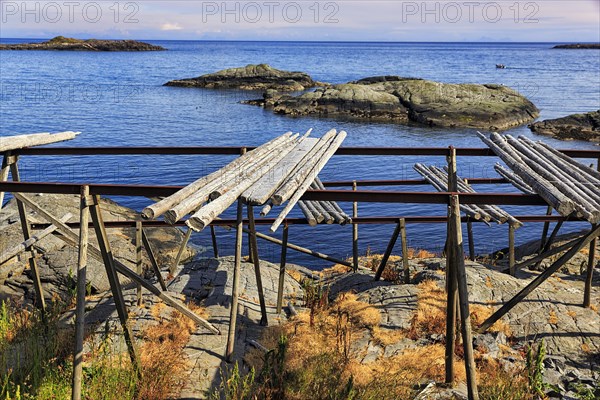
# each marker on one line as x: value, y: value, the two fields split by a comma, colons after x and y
x: 578, y: 46
x: 70, y: 44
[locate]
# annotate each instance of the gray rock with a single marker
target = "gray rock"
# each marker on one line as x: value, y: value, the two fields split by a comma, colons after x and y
x: 576, y: 126
x: 397, y: 99
x: 250, y: 77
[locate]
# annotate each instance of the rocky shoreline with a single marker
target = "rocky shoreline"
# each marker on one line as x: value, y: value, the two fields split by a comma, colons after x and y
x: 572, y: 127
x: 61, y: 43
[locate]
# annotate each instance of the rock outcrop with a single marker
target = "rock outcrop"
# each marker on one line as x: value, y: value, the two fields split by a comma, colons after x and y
x: 58, y: 262
x: 250, y: 77
x: 403, y: 100
x: 572, y: 127
x: 71, y: 44
x: 578, y: 46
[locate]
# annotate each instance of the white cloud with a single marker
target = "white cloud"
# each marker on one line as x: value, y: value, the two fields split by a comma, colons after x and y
x: 170, y: 27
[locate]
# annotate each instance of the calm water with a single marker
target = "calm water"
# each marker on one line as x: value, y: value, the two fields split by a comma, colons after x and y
x: 117, y: 99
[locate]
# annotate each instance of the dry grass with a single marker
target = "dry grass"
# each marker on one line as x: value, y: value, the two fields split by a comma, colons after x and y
x: 480, y: 313
x: 430, y: 315
x: 552, y: 317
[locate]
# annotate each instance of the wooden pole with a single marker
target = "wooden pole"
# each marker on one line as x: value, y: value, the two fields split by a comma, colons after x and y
x: 153, y: 261
x: 81, y: 289
x: 184, y: 244
x: 213, y: 235
x: 584, y: 241
x: 282, y: 263
x: 545, y: 231
x: 404, y: 251
x: 25, y: 245
x: 463, y: 300
x: 115, y: 285
x: 236, y: 283
x: 451, y: 273
x: 138, y: 259
x: 68, y: 236
x: 254, y: 247
x: 302, y: 249
x: 511, y: 249
x: 587, y: 294
x: 36, y: 139
x: 4, y: 173
x: 354, y: 231
x: 471, y: 240
x: 388, y: 252
x: 37, y: 283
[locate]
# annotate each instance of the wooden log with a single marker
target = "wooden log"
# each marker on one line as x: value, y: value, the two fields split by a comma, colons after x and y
x: 212, y: 210
x: 514, y: 179
x: 153, y: 261
x: 37, y: 283
x: 509, y: 305
x: 404, y: 242
x: 511, y: 249
x: 587, y: 292
x: 25, y: 245
x: 138, y: 259
x: 299, y: 174
x: 236, y: 282
x: 265, y: 187
x: 463, y: 295
x: 451, y: 304
x: 113, y: 279
x: 266, y: 209
x: 328, y: 218
x: 84, y: 218
x: 284, y: 242
x: 582, y: 197
x: 256, y: 261
x: 312, y: 221
x: 471, y: 240
x: 545, y: 231
x: 317, y: 166
x: 543, y: 256
x: 319, y: 186
x: 317, y: 214
x: 300, y: 249
x: 354, y: 231
x: 155, y: 210
x: 229, y: 180
x: 337, y: 217
x: 388, y: 252
x: 184, y: 243
x: 8, y: 143
x: 538, y: 184
x: 68, y: 236
x: 4, y: 173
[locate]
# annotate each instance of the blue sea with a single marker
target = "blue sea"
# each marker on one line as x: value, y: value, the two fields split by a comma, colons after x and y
x: 117, y: 99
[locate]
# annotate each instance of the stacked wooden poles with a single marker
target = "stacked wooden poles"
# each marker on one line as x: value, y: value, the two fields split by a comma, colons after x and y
x: 565, y: 184
x: 457, y: 279
x: 84, y: 219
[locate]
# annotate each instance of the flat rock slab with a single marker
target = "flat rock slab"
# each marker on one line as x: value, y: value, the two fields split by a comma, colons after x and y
x: 58, y: 262
x: 250, y: 77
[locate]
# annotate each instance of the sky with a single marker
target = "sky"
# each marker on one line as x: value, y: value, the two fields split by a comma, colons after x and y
x: 310, y: 20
